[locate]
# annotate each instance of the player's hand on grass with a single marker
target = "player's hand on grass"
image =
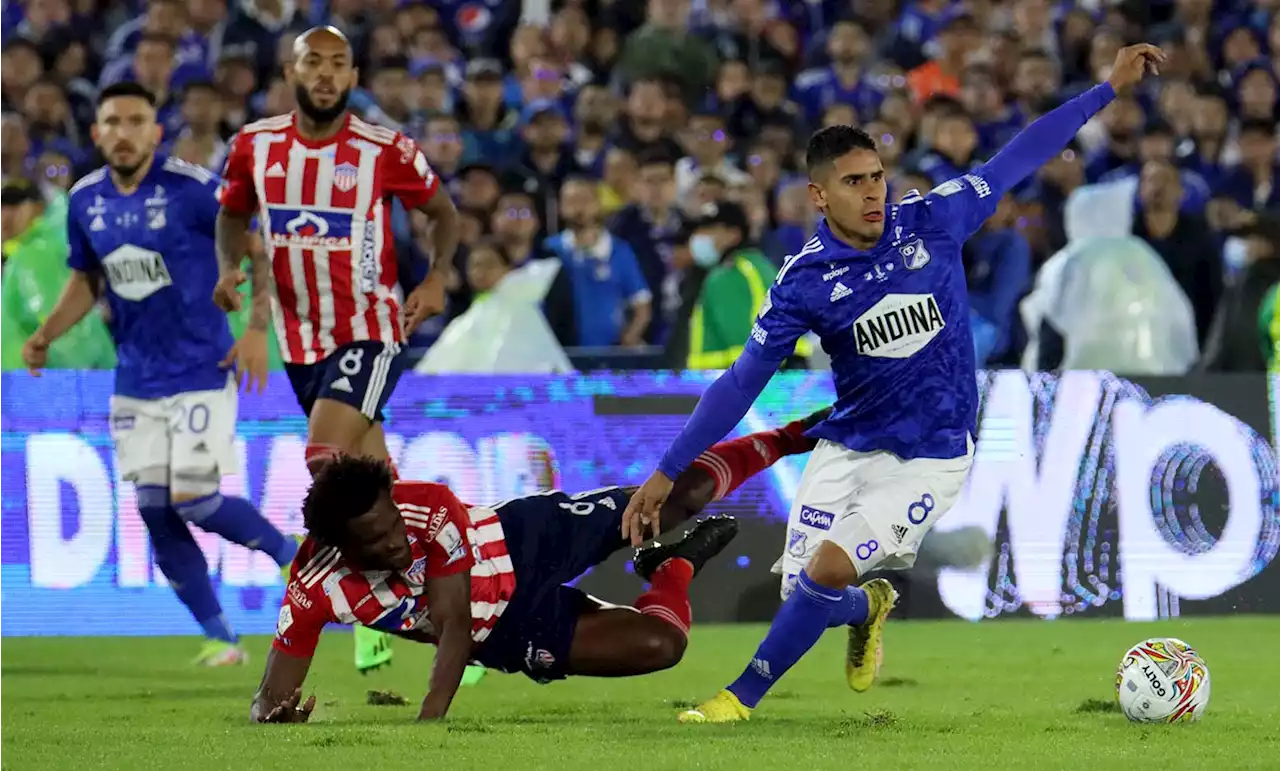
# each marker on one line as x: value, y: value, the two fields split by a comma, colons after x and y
x: 226, y: 294
x: 426, y: 300
x: 1132, y: 63
x: 645, y: 507
x: 249, y: 357
x: 35, y: 352
x: 289, y: 711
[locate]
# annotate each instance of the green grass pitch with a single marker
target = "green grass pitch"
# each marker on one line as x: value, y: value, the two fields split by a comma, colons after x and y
x: 952, y: 695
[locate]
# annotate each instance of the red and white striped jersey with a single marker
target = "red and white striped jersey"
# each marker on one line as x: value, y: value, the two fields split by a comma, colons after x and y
x: 325, y: 215
x: 445, y: 538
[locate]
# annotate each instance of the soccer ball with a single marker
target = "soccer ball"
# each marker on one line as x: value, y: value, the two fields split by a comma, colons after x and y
x: 1162, y: 680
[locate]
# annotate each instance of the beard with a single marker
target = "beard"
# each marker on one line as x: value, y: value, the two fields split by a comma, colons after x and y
x: 320, y: 115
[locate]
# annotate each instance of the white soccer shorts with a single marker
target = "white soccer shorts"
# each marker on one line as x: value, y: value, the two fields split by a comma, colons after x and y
x: 874, y: 505
x: 191, y: 434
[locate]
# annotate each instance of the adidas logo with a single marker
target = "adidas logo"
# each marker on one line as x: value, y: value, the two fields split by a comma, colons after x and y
x: 840, y: 291
x: 762, y: 668
x: 276, y: 170
x: 342, y: 384
x: 899, y: 532
x: 200, y: 447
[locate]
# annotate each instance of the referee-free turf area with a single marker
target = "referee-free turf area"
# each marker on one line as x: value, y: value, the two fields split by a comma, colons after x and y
x: 953, y: 695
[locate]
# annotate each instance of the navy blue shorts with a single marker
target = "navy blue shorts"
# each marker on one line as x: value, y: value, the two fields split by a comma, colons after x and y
x: 361, y: 374
x: 553, y: 538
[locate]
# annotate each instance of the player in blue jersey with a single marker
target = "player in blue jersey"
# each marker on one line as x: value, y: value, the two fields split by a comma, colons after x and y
x: 141, y: 228
x: 884, y: 287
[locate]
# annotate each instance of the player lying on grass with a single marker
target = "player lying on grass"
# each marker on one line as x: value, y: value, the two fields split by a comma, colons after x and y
x: 487, y: 583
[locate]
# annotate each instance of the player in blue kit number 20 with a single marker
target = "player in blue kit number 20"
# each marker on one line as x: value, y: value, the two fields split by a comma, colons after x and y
x: 143, y: 227
x: 884, y: 288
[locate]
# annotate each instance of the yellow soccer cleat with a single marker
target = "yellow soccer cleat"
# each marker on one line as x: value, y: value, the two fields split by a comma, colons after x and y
x: 219, y: 653
x: 724, y: 707
x: 863, y: 656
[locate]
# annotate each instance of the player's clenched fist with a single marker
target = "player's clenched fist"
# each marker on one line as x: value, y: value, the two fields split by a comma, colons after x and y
x: 645, y: 508
x: 35, y: 352
x: 1133, y: 62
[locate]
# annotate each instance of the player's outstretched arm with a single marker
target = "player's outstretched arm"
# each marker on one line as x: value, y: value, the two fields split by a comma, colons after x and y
x: 1038, y: 143
x: 722, y: 405
x: 449, y: 601
x: 78, y: 297
x: 279, y: 696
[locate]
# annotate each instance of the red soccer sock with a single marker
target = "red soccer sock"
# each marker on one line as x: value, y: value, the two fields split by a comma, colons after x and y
x: 733, y: 462
x: 668, y: 595
x: 318, y: 455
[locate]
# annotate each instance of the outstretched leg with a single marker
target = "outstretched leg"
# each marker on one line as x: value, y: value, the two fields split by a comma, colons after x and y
x: 623, y: 642
x: 728, y: 465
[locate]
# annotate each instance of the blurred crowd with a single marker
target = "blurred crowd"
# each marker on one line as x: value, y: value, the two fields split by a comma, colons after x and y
x: 654, y: 149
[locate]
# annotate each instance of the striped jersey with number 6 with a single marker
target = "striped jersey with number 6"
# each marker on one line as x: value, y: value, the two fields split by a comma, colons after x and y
x: 324, y: 211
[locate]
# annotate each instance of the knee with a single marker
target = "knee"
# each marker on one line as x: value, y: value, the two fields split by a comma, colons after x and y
x: 831, y: 567
x: 663, y: 648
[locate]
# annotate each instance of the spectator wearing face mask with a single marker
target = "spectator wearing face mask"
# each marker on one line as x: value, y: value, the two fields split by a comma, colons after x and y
x: 738, y: 279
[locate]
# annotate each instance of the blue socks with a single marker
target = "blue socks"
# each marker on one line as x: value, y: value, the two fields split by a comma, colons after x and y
x: 799, y: 624
x: 182, y: 562
x: 852, y: 610
x: 236, y: 520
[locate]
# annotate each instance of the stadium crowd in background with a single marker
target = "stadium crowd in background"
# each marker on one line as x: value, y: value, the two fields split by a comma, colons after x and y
x: 655, y: 149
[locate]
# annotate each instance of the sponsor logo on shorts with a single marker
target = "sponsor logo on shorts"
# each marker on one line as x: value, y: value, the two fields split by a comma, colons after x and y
x: 123, y: 422
x: 538, y: 658
x: 822, y: 520
x: 797, y: 543
x: 899, y: 533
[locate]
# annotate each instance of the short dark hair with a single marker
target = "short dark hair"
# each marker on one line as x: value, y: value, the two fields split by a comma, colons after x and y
x: 1036, y: 53
x: 1258, y: 126
x: 439, y: 117
x: 654, y: 156
x: 832, y: 142
x: 20, y: 43
x: 345, y: 488
x: 155, y: 37
x: 193, y: 86
x: 126, y: 88
x: 392, y: 62
x: 495, y: 246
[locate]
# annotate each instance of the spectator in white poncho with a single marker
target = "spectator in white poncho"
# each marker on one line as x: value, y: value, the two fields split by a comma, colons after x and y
x: 1107, y: 301
x: 504, y: 330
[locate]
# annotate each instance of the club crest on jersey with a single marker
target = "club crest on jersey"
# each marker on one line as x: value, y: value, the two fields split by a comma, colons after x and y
x: 156, y: 204
x: 345, y: 177
x: 898, y: 326
x: 417, y: 572
x: 914, y: 255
